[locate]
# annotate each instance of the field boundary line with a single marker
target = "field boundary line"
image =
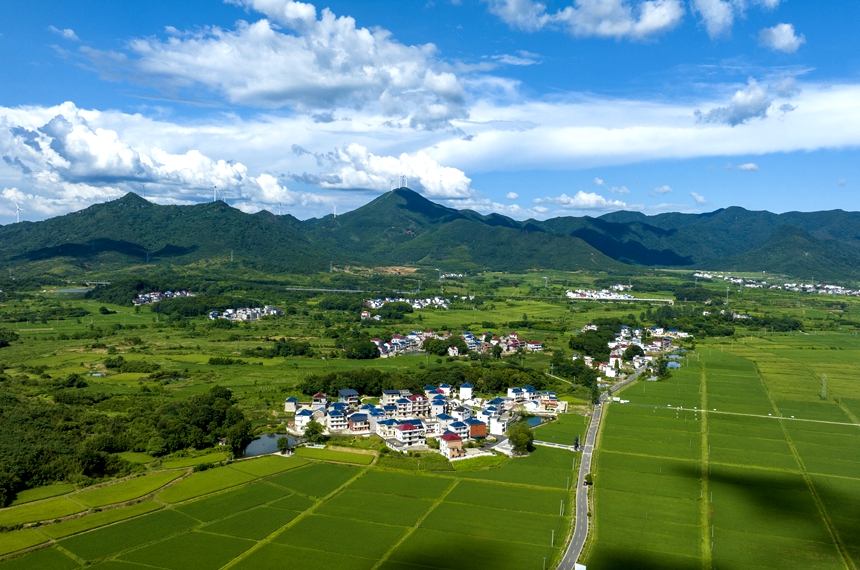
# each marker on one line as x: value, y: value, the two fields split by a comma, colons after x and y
x: 706, y: 513
x: 414, y: 527
x: 304, y: 514
x: 822, y: 511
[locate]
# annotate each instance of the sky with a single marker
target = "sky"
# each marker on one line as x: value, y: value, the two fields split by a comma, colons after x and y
x: 528, y: 109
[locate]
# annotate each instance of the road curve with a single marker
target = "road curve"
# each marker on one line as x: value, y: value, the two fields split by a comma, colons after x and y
x: 580, y: 528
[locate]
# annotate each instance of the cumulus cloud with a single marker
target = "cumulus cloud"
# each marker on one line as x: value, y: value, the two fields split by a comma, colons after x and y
x: 69, y: 162
x: 718, y: 16
x: 586, y: 201
x: 614, y: 189
x: 512, y: 195
x: 748, y: 167
x: 598, y: 18
x: 660, y: 190
x: 698, y: 198
x: 749, y: 103
x: 354, y: 167
x: 67, y: 33
x: 781, y: 38
x: 297, y: 59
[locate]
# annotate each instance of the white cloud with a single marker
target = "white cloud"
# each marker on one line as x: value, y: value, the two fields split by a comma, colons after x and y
x: 748, y: 103
x: 781, y: 38
x: 523, y: 58
x: 787, y: 87
x: 748, y: 167
x: 354, y: 167
x: 317, y: 63
x: 512, y: 196
x: 66, y: 33
x: 698, y: 198
x: 841, y: 182
x: 660, y: 190
x: 600, y: 18
x: 614, y: 189
x: 586, y: 201
x: 718, y: 15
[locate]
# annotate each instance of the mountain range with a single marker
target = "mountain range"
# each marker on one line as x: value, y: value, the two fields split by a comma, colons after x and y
x: 402, y: 227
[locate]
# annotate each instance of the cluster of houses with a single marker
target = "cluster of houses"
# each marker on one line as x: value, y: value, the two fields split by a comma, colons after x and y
x: 245, y: 314
x: 405, y: 420
x: 819, y: 288
x: 615, y: 294
x: 437, y: 302
x: 156, y: 296
x: 657, y: 341
x: 484, y: 343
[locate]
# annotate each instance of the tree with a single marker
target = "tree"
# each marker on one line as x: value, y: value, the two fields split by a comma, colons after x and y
x: 632, y: 351
x: 497, y: 351
x: 283, y: 444
x: 314, y: 432
x: 156, y: 446
x: 521, y: 437
x: 361, y: 350
x: 589, y: 479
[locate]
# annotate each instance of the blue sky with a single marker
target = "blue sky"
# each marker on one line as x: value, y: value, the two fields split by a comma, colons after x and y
x: 529, y: 109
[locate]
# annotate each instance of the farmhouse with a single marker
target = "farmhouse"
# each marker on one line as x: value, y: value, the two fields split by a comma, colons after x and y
x: 451, y: 445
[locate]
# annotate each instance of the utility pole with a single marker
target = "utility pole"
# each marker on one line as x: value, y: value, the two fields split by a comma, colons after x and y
x: 824, y: 387
x: 727, y: 296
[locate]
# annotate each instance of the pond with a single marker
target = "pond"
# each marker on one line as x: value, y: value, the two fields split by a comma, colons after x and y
x: 534, y: 422
x: 264, y: 444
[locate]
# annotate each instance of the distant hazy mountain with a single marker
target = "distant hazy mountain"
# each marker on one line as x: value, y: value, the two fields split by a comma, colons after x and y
x: 402, y: 227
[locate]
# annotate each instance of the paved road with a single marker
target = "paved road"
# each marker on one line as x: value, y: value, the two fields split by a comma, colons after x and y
x: 580, y: 528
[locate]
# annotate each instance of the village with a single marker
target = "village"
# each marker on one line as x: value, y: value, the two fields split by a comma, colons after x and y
x: 440, y: 415
x: 156, y: 296
x: 481, y: 344
x: 652, y: 343
x: 245, y: 314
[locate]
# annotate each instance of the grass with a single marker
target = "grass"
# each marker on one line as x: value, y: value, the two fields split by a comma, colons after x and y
x: 541, y: 501
x: 272, y: 556
x: 225, y: 504
x: 136, y: 457
x: 203, y: 483
x: 316, y: 480
x: 544, y: 467
x: 254, y: 524
x: 196, y: 550
x: 95, y: 520
x: 126, y: 490
x: 41, y: 511
x: 479, y: 463
x: 335, y: 455
x: 293, y: 503
x: 39, y: 493
x: 20, y: 539
x: 564, y: 430
x: 268, y: 465
x: 489, y: 522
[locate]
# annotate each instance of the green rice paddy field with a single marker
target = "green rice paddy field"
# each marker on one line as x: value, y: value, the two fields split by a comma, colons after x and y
x: 735, y: 462
x: 313, y: 512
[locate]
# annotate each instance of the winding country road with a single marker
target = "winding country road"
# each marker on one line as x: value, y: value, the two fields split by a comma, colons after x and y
x: 580, y: 528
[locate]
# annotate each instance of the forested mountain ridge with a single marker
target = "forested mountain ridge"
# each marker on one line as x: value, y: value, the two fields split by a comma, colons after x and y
x: 403, y: 227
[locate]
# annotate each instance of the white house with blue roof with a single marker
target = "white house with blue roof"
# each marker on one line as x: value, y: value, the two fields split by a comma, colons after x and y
x: 466, y: 391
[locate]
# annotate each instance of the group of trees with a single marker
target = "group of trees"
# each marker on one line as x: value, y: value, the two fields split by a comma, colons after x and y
x: 594, y: 343
x: 124, y: 366
x: 75, y: 434
x: 7, y: 336
x: 281, y: 347
x: 440, y: 347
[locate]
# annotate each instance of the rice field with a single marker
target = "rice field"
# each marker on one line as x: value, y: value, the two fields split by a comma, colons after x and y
x: 271, y: 511
x: 769, y: 476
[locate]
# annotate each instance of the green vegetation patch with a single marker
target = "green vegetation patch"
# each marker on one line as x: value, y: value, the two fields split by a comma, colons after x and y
x: 136, y: 457
x: 255, y: 524
x: 196, y: 550
x: 268, y: 465
x: 123, y: 536
x: 335, y: 455
x: 483, y: 463
x: 316, y: 480
x: 441, y: 549
x: 203, y: 483
x: 41, y: 511
x: 126, y: 490
x: 40, y: 493
x: 20, y: 539
x: 225, y: 504
x: 488, y: 522
x: 95, y: 520
x: 408, y: 485
x: 275, y: 556
x: 293, y: 503
x: 564, y: 430
x: 387, y: 509
x: 544, y: 467
x: 760, y: 550
x: 511, y: 498
x: 215, y: 457
x: 344, y: 536
x: 43, y: 559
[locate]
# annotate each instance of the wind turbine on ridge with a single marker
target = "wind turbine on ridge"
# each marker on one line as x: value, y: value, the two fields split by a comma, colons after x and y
x: 18, y: 211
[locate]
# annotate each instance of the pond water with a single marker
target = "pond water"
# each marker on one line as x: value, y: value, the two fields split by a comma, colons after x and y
x: 266, y: 444
x: 534, y: 422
